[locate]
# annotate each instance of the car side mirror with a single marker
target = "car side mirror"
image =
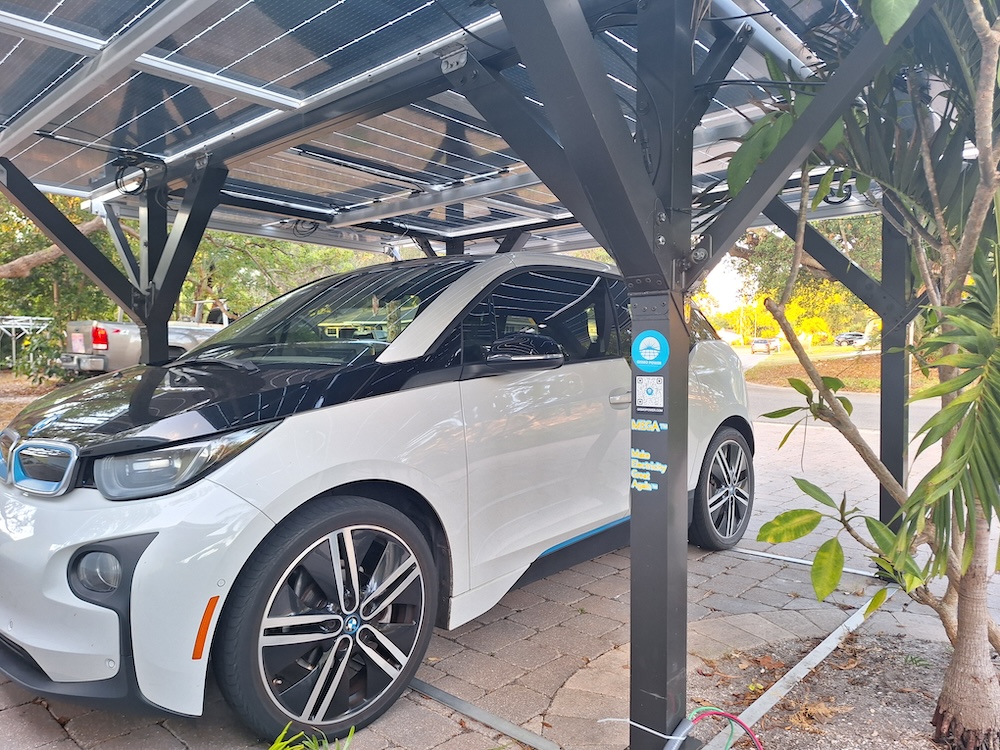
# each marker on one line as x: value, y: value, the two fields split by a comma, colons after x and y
x: 525, y: 351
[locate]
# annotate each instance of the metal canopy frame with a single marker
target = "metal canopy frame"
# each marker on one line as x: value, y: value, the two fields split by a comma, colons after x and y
x: 565, y: 145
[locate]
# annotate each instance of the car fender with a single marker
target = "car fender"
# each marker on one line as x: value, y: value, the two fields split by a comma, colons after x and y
x: 319, y: 451
x: 211, y: 534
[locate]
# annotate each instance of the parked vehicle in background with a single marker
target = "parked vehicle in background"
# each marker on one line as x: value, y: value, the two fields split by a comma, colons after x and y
x: 97, y: 346
x: 850, y: 338
x: 305, y: 496
x: 767, y: 346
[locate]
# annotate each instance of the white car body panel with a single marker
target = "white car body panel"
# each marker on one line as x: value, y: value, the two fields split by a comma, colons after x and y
x: 408, y: 438
x: 513, y: 465
x: 205, y: 534
x: 547, y: 461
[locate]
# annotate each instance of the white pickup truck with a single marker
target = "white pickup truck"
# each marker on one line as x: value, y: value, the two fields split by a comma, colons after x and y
x: 95, y: 346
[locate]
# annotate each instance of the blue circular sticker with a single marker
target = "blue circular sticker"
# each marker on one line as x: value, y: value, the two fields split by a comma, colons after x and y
x: 650, y: 351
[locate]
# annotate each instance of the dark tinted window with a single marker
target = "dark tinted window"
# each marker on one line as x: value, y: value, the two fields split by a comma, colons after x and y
x: 570, y: 307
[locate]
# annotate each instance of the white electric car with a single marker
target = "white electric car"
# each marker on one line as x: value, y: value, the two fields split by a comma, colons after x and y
x: 303, y: 497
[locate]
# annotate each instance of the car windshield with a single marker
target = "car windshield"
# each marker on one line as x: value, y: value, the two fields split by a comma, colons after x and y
x: 341, y: 320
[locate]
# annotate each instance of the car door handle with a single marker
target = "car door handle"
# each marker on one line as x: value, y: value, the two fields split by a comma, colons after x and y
x: 620, y: 398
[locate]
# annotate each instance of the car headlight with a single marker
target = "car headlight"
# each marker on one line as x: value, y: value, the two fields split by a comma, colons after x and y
x: 137, y: 475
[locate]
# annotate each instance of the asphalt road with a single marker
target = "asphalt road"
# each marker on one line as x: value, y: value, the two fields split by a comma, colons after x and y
x: 767, y: 398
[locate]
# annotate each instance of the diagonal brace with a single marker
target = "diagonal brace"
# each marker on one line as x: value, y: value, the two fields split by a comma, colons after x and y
x: 845, y: 270
x: 532, y: 139
x: 556, y: 44
x: 23, y: 194
x: 860, y: 66
x: 200, y: 199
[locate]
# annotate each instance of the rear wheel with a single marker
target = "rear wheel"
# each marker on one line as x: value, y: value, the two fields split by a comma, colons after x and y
x: 329, y: 619
x: 723, y: 499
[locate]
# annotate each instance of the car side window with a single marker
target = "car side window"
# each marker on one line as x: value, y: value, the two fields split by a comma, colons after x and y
x: 699, y: 327
x: 622, y: 315
x: 572, y: 308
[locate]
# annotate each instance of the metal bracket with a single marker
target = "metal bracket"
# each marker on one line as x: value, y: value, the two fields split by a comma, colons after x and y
x: 453, y: 57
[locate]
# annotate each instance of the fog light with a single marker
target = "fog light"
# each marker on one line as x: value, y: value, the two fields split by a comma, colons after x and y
x: 99, y: 572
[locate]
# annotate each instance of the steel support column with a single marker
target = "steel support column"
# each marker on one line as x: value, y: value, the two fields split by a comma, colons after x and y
x: 894, y: 416
x: 669, y: 110
x: 638, y: 200
x: 454, y: 246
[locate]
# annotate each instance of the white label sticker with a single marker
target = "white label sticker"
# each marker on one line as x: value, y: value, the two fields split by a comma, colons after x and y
x: 649, y: 392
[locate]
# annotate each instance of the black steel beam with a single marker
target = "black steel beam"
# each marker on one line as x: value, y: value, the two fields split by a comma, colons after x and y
x: 453, y: 246
x: 521, y: 125
x: 858, y: 69
x: 722, y: 56
x: 22, y: 193
x: 514, y: 241
x: 153, y: 229
x: 555, y: 43
x: 200, y: 199
x: 425, y: 246
x: 894, y: 413
x: 842, y: 268
x: 122, y: 245
x: 367, y: 166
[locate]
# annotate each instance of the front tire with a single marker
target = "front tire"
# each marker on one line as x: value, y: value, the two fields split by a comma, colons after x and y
x: 723, y: 499
x: 329, y: 619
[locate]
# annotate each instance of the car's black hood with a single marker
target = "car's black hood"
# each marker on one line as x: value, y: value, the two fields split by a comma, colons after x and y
x: 143, y: 406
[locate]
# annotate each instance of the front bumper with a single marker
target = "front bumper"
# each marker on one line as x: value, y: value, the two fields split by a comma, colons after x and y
x: 139, y: 654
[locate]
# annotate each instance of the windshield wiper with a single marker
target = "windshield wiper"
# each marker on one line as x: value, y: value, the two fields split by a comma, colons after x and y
x: 214, y: 361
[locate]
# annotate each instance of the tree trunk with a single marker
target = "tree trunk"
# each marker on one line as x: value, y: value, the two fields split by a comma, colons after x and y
x: 21, y: 268
x: 967, y: 716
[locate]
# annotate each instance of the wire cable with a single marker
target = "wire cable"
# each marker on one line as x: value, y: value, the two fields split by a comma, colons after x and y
x: 465, y: 28
x: 732, y: 718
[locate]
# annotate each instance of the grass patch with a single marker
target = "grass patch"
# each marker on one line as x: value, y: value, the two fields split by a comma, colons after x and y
x: 860, y: 371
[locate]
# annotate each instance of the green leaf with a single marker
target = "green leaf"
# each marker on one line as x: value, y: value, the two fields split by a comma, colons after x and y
x: 877, y: 601
x: 882, y: 535
x: 779, y: 413
x: 789, y: 526
x: 827, y: 568
x: 846, y: 403
x: 834, y: 384
x: 802, y: 388
x: 823, y: 189
x: 816, y: 493
x: 834, y: 136
x: 948, y: 386
x: 863, y: 183
x: 962, y: 359
x: 789, y: 433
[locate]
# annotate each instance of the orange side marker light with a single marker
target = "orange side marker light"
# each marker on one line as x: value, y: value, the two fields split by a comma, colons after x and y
x: 206, y: 620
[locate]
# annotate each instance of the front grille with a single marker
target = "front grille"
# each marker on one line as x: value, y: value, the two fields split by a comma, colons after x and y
x: 43, y: 467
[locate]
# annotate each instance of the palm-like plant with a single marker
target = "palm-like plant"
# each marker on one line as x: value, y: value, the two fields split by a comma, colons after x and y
x: 911, y: 135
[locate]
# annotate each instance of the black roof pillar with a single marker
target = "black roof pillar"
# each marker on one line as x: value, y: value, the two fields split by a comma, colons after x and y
x: 637, y: 200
